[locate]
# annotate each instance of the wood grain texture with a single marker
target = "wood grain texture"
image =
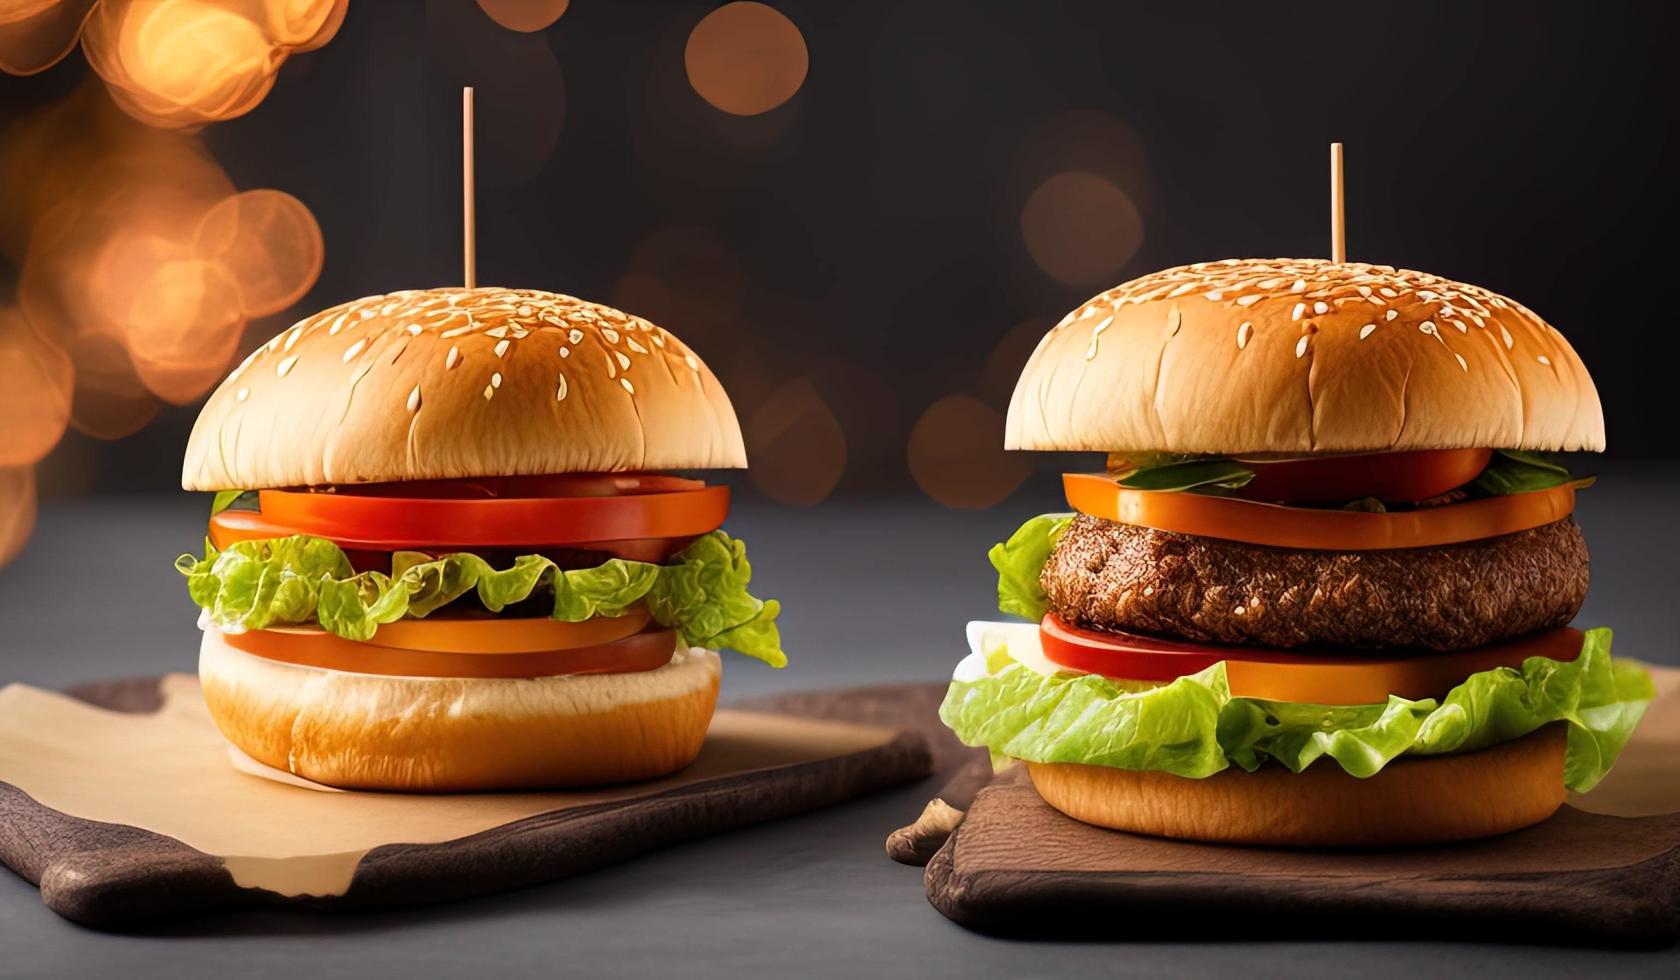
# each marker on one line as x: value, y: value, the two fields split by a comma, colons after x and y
x: 114, y: 876
x: 1016, y: 867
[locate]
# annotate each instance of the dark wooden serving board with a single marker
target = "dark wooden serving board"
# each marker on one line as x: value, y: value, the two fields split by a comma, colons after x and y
x: 107, y: 874
x: 1017, y: 867
x: 1604, y: 870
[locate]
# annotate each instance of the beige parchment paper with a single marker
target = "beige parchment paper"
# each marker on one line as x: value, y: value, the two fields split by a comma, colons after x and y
x: 169, y: 773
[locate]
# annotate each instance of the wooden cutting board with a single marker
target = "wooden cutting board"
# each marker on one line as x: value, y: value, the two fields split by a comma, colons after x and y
x: 1604, y: 870
x: 119, y: 801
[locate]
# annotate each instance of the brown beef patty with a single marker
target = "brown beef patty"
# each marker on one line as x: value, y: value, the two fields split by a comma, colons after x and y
x: 1106, y: 575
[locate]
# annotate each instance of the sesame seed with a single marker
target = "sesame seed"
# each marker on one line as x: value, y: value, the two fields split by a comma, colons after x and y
x: 1215, y: 296
x: 337, y: 325
x: 1391, y: 314
x: 627, y: 385
x: 1301, y: 345
x: 1181, y: 290
x: 285, y: 366
x: 1391, y: 294
x: 1242, y: 334
x: 525, y: 309
x: 1543, y: 359
x: 496, y: 380
x: 610, y: 334
x: 452, y: 358
x: 1321, y: 308
x: 560, y: 392
x: 1300, y: 308
x: 242, y: 394
x: 623, y: 360
x: 659, y: 339
x: 575, y: 336
x: 1506, y: 336
x: 1460, y: 325
x: 1365, y: 291
x: 354, y: 349
x: 292, y: 338
x: 489, y: 392
x: 1367, y: 330
x: 638, y: 348
x: 1096, y: 331
x: 413, y: 329
x: 501, y: 347
x: 500, y: 331
x: 1299, y: 287
x: 693, y: 363
x: 1427, y: 326
x: 414, y: 399
x: 1248, y: 300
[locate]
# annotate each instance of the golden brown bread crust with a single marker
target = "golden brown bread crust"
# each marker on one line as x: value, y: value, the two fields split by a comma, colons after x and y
x: 1414, y: 800
x: 1300, y: 356
x: 446, y: 383
x: 360, y: 731
x: 1109, y: 575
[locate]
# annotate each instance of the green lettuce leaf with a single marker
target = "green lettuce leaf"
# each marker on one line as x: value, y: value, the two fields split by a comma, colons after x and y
x: 1193, y: 727
x: 1020, y: 560
x: 300, y: 579
x: 1167, y: 472
x: 1515, y: 471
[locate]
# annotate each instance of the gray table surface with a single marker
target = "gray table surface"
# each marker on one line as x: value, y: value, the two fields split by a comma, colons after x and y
x: 873, y: 592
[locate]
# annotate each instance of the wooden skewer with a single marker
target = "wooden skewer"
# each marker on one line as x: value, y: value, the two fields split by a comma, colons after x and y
x: 1338, y: 215
x: 469, y: 243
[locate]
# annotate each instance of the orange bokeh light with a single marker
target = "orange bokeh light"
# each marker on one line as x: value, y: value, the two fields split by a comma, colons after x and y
x: 525, y: 16
x: 140, y: 260
x: 796, y: 445
x: 746, y: 58
x: 35, y: 394
x: 17, y: 510
x: 1080, y: 228
x: 957, y: 456
x: 184, y: 327
x: 270, y: 244
x: 37, y: 34
x: 183, y: 63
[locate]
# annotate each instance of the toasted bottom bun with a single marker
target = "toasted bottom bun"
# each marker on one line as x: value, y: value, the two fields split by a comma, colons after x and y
x: 363, y: 731
x: 1411, y: 801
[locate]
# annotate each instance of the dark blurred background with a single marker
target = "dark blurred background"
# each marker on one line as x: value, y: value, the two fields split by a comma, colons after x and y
x: 867, y: 262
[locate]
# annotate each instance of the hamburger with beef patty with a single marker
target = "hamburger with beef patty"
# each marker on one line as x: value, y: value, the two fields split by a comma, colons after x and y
x: 1321, y: 592
x: 447, y: 554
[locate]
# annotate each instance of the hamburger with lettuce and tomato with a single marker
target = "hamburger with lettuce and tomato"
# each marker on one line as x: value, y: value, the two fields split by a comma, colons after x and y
x: 448, y: 551
x: 1321, y: 592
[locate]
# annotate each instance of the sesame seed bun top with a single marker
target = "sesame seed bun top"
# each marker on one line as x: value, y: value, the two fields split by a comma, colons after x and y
x: 448, y: 383
x: 1302, y: 356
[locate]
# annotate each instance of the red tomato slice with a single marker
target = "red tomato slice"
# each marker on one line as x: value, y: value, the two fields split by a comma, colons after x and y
x: 369, y: 523
x: 1279, y: 675
x: 1405, y: 476
x: 308, y: 647
x: 1233, y: 519
x: 499, y: 634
